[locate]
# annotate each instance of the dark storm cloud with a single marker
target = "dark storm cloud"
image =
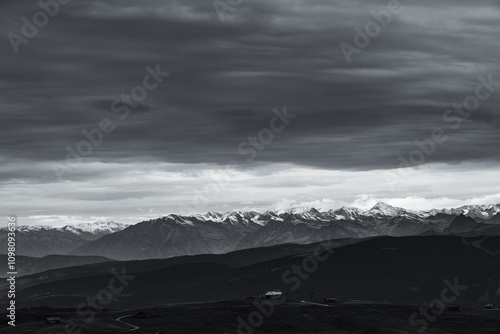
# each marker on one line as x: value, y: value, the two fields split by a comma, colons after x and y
x: 226, y: 77
x: 106, y: 105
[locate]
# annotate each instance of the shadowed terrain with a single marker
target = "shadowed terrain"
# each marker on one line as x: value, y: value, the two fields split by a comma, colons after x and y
x: 404, y: 270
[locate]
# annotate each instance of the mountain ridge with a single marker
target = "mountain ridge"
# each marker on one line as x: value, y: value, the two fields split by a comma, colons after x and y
x: 217, y: 233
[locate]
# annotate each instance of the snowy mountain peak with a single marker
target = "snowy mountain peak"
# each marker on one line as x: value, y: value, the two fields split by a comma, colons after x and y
x: 210, y: 215
x: 294, y: 211
x: 346, y: 213
x: 95, y: 228
x: 385, y: 209
x: 27, y: 228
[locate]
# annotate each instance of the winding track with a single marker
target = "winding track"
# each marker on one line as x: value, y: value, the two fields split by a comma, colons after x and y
x: 126, y: 323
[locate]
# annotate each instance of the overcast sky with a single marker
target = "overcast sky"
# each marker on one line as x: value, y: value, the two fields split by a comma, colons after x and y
x: 349, y: 120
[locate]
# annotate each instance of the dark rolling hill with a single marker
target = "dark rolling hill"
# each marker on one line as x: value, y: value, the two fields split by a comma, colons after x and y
x: 407, y: 270
x: 26, y: 265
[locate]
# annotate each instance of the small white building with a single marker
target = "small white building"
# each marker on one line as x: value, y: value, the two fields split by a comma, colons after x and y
x: 272, y: 295
x: 52, y: 320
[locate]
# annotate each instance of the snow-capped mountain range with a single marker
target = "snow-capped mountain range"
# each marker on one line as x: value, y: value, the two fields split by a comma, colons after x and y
x: 213, y: 232
x: 380, y: 210
x: 42, y: 240
x: 97, y: 228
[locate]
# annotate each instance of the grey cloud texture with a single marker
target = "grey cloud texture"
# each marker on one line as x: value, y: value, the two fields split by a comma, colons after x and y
x: 227, y: 76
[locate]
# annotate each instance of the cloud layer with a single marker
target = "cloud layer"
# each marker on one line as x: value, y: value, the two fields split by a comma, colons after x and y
x: 353, y: 120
